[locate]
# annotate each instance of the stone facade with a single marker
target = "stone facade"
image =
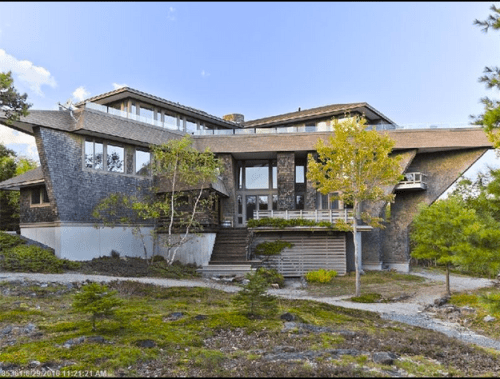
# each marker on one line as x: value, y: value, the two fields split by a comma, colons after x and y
x: 286, y: 181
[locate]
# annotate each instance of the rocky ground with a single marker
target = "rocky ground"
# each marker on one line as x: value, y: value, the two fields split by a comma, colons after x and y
x: 394, y: 351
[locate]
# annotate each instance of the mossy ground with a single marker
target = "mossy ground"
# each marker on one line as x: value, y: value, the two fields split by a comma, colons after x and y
x: 386, y: 283
x: 213, y: 338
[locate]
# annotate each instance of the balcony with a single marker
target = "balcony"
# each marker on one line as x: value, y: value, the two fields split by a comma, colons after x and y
x: 413, y: 181
x: 330, y: 215
x: 203, y: 131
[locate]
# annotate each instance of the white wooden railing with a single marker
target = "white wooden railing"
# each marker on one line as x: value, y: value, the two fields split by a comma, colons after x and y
x: 330, y: 215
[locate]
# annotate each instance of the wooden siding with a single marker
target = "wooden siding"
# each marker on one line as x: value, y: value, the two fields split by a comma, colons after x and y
x: 311, y: 251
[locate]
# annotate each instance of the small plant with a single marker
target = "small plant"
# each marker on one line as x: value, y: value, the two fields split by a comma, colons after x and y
x: 367, y: 298
x: 7, y: 241
x: 253, y: 297
x: 272, y: 276
x: 321, y: 276
x: 96, y: 300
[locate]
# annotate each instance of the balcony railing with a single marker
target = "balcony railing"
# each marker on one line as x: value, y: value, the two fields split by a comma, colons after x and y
x: 330, y: 215
x: 271, y: 130
x: 412, y: 181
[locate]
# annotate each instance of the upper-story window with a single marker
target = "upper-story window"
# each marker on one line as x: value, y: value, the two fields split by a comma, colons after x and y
x: 257, y: 175
x: 142, y: 162
x: 96, y: 150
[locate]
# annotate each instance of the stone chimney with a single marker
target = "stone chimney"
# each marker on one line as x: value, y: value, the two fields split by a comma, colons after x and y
x: 235, y: 117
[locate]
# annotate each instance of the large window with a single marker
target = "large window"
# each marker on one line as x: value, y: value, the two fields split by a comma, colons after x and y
x: 94, y: 155
x: 95, y: 151
x: 115, y: 158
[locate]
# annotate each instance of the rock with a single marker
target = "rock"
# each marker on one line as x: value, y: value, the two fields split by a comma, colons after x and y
x: 174, y: 316
x: 6, y: 330
x: 489, y: 318
x: 245, y: 282
x: 146, y: 343
x: 384, y: 358
x: 288, y: 317
x: 468, y: 310
x: 200, y: 317
x: 44, y: 285
x: 275, y: 286
x: 73, y: 342
x: 442, y: 301
x: 29, y: 328
x: 69, y: 286
x: 96, y: 339
x: 34, y: 364
x: 239, y: 278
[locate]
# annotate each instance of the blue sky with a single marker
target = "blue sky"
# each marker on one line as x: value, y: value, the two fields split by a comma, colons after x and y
x: 414, y: 62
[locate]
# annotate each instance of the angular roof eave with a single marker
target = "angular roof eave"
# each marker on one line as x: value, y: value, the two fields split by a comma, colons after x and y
x: 168, y: 103
x: 311, y: 113
x: 31, y: 177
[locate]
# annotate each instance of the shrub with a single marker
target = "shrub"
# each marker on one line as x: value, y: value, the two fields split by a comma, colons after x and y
x: 321, y: 276
x: 24, y: 258
x: 96, y: 300
x: 272, y: 247
x: 272, y: 276
x: 253, y: 298
x: 7, y: 241
x: 368, y: 298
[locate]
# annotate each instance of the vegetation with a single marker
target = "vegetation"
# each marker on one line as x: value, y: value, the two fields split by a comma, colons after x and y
x: 199, y: 332
x: 371, y: 297
x: 253, y: 297
x: 272, y: 276
x: 96, y: 300
x: 11, y: 102
x: 11, y: 165
x: 355, y: 165
x: 272, y: 247
x: 490, y: 119
x: 281, y: 223
x: 15, y: 255
x: 321, y: 276
x: 184, y: 174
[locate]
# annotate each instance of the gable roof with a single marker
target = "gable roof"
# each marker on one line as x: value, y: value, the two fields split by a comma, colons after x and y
x: 34, y: 176
x: 312, y: 113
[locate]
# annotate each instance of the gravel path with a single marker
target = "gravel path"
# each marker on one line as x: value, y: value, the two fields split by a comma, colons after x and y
x: 406, y: 312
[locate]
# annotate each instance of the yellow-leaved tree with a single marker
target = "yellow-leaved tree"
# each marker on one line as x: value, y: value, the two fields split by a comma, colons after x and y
x: 354, y: 166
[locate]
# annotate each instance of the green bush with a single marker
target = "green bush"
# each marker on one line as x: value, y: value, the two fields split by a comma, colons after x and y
x: 24, y: 258
x: 96, y: 300
x: 253, y: 298
x: 7, y: 241
x: 368, y: 298
x: 272, y: 276
x: 272, y: 247
x: 321, y: 276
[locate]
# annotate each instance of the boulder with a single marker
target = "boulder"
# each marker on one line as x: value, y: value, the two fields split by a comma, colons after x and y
x: 384, y: 358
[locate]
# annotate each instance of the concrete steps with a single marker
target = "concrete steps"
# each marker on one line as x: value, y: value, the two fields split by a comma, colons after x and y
x: 225, y: 270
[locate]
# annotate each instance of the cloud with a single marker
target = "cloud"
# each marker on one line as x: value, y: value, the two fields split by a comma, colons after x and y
x: 23, y: 144
x: 204, y: 74
x: 171, y: 14
x: 34, y: 76
x: 117, y: 86
x: 81, y: 94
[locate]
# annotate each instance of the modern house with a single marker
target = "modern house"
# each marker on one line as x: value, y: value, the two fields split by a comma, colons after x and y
x: 102, y: 147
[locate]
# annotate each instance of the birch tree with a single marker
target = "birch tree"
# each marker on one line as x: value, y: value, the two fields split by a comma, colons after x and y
x: 355, y: 165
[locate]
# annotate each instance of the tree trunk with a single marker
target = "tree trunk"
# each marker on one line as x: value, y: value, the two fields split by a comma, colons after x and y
x: 356, y: 250
x: 448, y: 292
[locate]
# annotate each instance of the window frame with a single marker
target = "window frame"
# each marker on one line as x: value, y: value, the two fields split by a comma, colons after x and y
x: 42, y: 190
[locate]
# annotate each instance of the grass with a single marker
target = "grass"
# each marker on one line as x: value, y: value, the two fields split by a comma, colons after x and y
x: 387, y: 284
x: 224, y: 343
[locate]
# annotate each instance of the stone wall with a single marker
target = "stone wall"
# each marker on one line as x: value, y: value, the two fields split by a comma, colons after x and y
x: 30, y: 214
x: 442, y: 170
x: 286, y: 181
x: 73, y: 190
x: 228, y: 178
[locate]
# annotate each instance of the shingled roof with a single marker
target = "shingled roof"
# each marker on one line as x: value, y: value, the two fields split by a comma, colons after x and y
x: 306, y: 114
x: 34, y: 176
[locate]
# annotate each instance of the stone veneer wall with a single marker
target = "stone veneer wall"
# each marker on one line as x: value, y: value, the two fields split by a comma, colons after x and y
x: 30, y: 214
x: 311, y: 193
x: 228, y: 177
x: 442, y: 170
x: 286, y: 181
x: 372, y: 241
x: 74, y: 191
